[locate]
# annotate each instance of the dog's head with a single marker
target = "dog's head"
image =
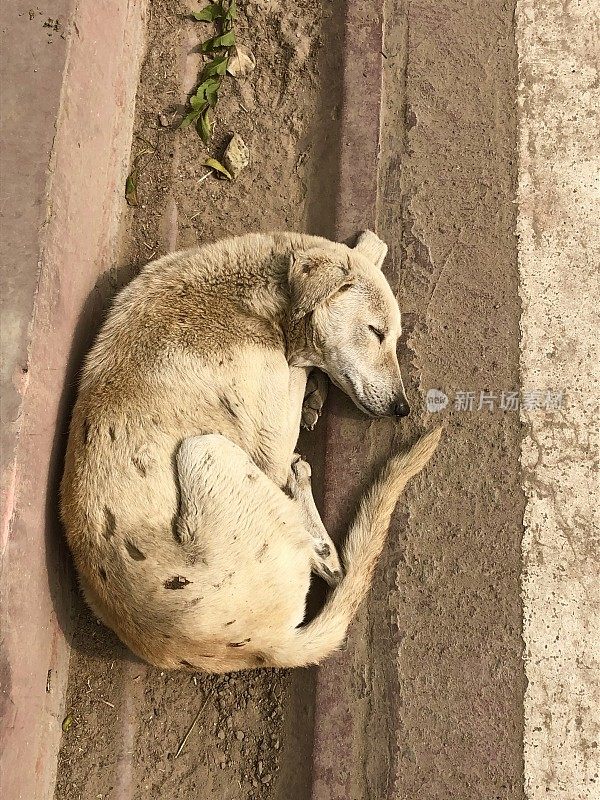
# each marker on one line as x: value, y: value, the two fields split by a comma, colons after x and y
x: 352, y: 321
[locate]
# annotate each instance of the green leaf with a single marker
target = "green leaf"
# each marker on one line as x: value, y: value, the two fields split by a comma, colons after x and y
x: 218, y: 66
x: 204, y: 126
x: 204, y: 94
x: 216, y: 165
x: 197, y: 102
x: 66, y: 723
x: 131, y: 188
x: 231, y: 11
x: 210, y: 85
x: 189, y: 118
x: 212, y: 95
x: 209, y: 14
x: 226, y: 40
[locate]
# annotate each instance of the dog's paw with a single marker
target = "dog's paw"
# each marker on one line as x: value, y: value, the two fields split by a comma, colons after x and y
x: 299, y: 477
x: 326, y: 563
x: 310, y: 417
x: 314, y: 399
x: 301, y: 470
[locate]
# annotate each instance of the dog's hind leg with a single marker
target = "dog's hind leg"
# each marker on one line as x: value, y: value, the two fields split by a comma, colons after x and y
x: 325, y: 561
x: 221, y: 487
x: 245, y: 536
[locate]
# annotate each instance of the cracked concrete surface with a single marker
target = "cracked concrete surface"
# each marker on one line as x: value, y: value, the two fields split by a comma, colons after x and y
x: 559, y: 258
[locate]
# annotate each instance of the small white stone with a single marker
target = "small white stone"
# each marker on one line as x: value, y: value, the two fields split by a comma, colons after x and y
x: 236, y: 156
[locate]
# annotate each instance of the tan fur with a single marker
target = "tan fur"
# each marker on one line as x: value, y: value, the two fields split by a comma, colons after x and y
x: 191, y: 523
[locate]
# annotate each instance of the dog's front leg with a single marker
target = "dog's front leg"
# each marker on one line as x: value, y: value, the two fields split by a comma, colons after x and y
x: 276, y: 425
x: 297, y: 388
x: 278, y: 452
x: 315, y: 395
x: 325, y: 561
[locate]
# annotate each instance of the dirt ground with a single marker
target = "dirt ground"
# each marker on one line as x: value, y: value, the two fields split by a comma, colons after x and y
x: 253, y: 737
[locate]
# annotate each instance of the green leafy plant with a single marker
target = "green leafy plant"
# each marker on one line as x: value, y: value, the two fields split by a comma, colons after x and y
x: 205, y: 98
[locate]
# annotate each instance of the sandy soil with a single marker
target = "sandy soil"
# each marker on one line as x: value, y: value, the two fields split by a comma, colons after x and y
x: 253, y: 738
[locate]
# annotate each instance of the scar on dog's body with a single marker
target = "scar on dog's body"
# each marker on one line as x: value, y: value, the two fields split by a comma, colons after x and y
x: 191, y: 521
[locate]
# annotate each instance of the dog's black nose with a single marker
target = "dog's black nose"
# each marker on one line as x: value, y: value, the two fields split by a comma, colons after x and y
x: 401, y: 409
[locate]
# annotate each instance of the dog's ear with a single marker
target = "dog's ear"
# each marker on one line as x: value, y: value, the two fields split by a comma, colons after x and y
x: 314, y: 277
x: 371, y: 246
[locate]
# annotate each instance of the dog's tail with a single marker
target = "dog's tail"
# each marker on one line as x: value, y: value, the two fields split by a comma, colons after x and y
x: 366, y: 538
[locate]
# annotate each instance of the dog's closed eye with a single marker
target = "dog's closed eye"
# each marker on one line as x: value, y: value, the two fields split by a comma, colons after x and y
x: 378, y: 333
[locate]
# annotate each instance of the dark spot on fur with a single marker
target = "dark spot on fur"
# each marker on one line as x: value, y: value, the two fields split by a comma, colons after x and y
x: 187, y: 664
x: 262, y: 550
x: 195, y: 601
x: 134, y: 552
x: 260, y: 660
x: 238, y: 644
x: 103, y: 575
x: 112, y: 433
x: 196, y: 557
x: 110, y: 523
x: 230, y: 623
x: 86, y: 431
x: 228, y: 406
x: 177, y: 582
x: 139, y: 465
x: 323, y: 550
x: 227, y: 577
x: 252, y: 476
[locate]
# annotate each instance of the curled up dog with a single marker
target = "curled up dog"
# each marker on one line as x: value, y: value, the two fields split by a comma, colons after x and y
x: 191, y: 520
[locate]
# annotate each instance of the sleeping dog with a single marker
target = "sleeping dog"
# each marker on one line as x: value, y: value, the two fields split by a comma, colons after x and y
x: 191, y: 520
